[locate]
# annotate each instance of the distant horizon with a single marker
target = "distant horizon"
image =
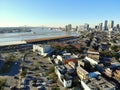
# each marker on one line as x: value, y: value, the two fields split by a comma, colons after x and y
x: 62, y: 26
x: 57, y: 13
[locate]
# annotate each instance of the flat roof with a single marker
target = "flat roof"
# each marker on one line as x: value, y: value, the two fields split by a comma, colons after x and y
x: 71, y: 63
x: 12, y: 43
x: 81, y: 70
x: 101, y: 83
x: 68, y: 67
x: 90, y: 52
x: 50, y: 38
x: 67, y: 77
x: 92, y: 61
x: 41, y: 45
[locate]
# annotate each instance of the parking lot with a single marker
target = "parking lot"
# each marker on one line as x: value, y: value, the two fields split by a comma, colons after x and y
x: 37, y: 72
x: 37, y: 69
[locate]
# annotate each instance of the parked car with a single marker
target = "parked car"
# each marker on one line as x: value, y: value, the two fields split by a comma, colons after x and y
x: 41, y: 88
x: 40, y: 80
x: 44, y: 83
x: 26, y: 87
x: 29, y: 77
x: 50, y: 81
x: 30, y: 72
x: 34, y: 84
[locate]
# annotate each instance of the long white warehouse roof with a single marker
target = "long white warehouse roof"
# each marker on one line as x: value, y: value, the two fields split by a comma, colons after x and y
x: 12, y: 43
x: 91, y: 60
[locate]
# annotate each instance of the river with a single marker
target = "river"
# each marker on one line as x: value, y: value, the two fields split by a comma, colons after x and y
x: 36, y: 33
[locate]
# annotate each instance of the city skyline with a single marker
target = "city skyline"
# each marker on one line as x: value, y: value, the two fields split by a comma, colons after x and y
x: 57, y: 12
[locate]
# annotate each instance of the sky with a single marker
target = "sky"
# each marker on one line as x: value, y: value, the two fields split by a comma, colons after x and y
x: 57, y: 12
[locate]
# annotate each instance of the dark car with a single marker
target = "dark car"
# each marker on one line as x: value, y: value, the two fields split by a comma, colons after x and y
x: 41, y: 88
x: 16, y: 77
x: 29, y: 77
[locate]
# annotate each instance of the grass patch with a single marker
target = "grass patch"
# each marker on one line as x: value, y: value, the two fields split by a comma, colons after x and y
x: 53, y: 76
x: 24, y: 72
x: 55, y: 88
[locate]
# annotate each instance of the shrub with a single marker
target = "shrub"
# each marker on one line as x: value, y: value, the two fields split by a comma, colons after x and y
x: 2, y: 83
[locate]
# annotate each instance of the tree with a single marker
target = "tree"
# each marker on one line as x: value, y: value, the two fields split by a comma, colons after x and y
x: 115, y: 48
x: 24, y: 72
x: 11, y: 58
x: 2, y: 83
x: 55, y: 88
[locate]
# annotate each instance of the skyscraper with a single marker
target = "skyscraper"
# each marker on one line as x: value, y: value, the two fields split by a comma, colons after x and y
x: 106, y: 25
x: 81, y: 28
x: 76, y: 28
x: 101, y: 26
x: 68, y: 27
x: 86, y: 26
x: 111, y: 24
x: 118, y: 26
x: 96, y: 27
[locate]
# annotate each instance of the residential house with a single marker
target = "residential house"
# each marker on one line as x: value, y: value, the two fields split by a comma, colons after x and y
x: 67, y: 57
x: 69, y: 69
x: 82, y: 74
x: 64, y: 78
x: 91, y: 61
x: 96, y: 82
x: 72, y: 64
x: 93, y: 55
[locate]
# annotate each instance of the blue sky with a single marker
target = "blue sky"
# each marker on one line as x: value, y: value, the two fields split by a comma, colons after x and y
x: 57, y: 12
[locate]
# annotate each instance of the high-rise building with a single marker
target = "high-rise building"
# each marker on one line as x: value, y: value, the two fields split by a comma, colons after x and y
x: 101, y: 26
x: 68, y: 27
x: 86, y: 26
x: 111, y: 24
x: 81, y: 28
x: 76, y: 28
x: 106, y: 25
x: 96, y: 27
x: 118, y: 26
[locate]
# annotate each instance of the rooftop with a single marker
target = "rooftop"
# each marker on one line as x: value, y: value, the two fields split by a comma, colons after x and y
x: 91, y: 60
x: 47, y: 39
x: 72, y: 64
x: 90, y: 52
x: 12, y: 43
x: 42, y: 45
x: 98, y: 83
x: 81, y: 70
x: 68, y: 67
x: 61, y: 68
x: 65, y: 57
x: 67, y: 77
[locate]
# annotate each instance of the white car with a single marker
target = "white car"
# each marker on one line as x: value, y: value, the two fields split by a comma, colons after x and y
x: 22, y: 86
x: 44, y: 83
